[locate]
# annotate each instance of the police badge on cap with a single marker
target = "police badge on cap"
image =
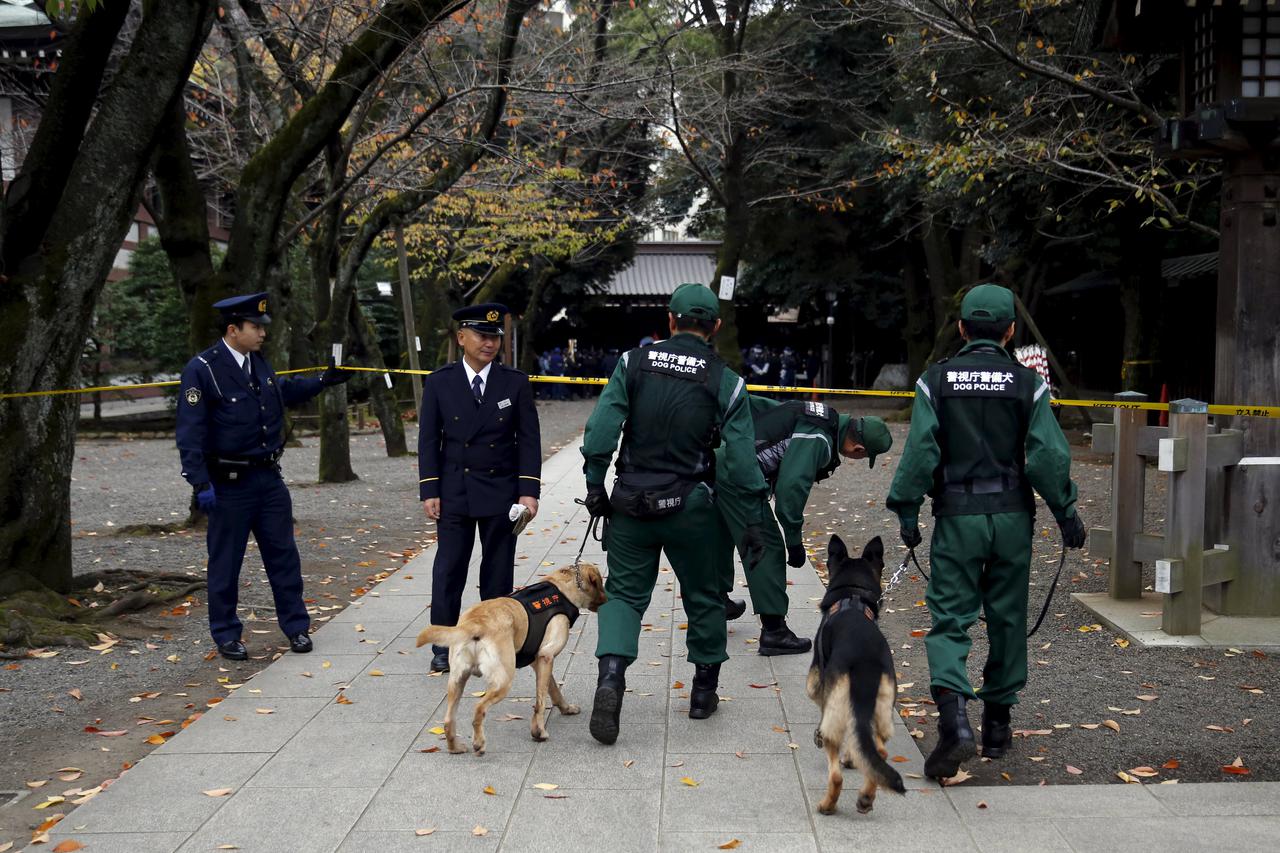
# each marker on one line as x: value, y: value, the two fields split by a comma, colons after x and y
x: 485, y: 318
x: 251, y: 307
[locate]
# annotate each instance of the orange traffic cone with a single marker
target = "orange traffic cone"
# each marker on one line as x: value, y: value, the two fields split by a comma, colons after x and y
x: 1164, y: 398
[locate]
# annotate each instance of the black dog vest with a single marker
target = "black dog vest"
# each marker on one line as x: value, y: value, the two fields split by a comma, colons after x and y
x: 541, y: 601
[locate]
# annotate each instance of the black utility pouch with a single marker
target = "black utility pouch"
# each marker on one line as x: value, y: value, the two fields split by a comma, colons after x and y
x: 650, y: 495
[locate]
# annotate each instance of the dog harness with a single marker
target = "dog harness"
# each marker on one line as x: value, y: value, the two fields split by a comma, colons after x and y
x: 845, y: 603
x: 541, y: 601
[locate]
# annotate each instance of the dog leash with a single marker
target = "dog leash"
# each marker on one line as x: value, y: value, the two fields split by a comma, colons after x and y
x: 597, y: 528
x: 1044, y: 608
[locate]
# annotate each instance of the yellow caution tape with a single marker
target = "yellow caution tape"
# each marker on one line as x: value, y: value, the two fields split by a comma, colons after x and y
x: 1232, y: 411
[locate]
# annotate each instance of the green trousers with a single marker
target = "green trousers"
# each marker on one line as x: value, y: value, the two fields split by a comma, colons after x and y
x: 767, y: 582
x: 634, y: 545
x: 980, y: 562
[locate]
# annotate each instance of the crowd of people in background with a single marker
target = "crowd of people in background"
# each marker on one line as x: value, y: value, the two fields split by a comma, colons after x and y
x: 762, y: 365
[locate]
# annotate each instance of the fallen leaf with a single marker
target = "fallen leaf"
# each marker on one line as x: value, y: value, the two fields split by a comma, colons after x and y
x: 679, y: 685
x: 479, y: 830
x: 1144, y: 772
x: 1147, y: 698
x: 900, y: 759
x: 430, y: 749
x: 39, y: 784
x: 68, y: 846
x: 75, y: 693
x: 70, y: 774
x: 52, y: 801
x: 761, y: 686
x: 982, y: 804
x: 421, y: 832
x: 155, y: 739
x: 1171, y: 764
x: 960, y: 777
x: 546, y: 786
x: 1074, y: 771
x: 342, y: 700
x: 1235, y: 768
x: 733, y: 844
x: 226, y: 847
x: 376, y: 672
x: 688, y: 781
x: 488, y: 789
x: 780, y: 730
x: 1125, y: 777
x: 628, y: 762
x: 918, y: 633
x: 1226, y: 729
x: 436, y: 730
x: 217, y: 792
x: 740, y: 754
x: 1111, y: 724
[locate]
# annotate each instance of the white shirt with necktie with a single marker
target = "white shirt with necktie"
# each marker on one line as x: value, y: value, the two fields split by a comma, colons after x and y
x: 471, y: 376
x: 241, y: 358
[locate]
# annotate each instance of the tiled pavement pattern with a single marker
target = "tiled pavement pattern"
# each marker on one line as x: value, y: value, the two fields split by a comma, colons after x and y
x: 316, y: 776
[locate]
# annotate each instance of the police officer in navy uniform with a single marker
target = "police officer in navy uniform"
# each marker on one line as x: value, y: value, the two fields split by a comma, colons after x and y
x: 230, y: 437
x: 479, y: 452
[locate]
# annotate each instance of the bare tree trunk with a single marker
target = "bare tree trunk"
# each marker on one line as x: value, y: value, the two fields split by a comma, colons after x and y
x: 57, y: 256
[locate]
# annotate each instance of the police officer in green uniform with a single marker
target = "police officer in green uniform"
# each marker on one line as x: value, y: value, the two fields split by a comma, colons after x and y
x: 982, y: 437
x: 672, y: 402
x: 798, y: 443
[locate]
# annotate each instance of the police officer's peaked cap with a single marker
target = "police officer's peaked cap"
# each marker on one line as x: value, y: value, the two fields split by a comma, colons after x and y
x: 988, y: 302
x: 485, y: 318
x: 252, y: 307
x: 694, y: 300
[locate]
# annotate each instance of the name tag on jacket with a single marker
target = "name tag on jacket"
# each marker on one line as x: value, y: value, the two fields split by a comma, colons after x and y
x: 504, y: 404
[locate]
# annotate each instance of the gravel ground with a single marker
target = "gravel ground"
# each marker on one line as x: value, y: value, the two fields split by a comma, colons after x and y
x: 1161, y: 699
x: 163, y: 669
x: 160, y: 673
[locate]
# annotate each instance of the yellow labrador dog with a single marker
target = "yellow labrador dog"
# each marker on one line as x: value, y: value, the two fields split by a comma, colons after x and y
x: 496, y: 637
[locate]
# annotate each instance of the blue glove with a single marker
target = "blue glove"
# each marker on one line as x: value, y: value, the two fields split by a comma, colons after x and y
x: 205, y: 498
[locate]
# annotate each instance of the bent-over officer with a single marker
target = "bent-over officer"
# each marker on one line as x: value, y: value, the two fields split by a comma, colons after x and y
x: 671, y: 401
x: 982, y: 437
x: 230, y: 437
x: 797, y: 443
x: 479, y: 452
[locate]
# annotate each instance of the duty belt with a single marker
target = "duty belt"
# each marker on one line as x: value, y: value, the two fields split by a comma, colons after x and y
x: 250, y: 461
x: 983, y: 486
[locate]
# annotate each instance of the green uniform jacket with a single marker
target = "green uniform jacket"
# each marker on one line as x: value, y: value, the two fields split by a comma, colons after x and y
x: 1048, y: 458
x: 807, y: 453
x: 737, y: 431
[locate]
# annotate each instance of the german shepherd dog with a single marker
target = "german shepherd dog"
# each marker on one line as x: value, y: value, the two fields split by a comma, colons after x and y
x: 852, y: 677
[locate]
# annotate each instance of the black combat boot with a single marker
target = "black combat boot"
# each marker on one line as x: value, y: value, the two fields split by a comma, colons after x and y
x: 703, y: 698
x: 777, y: 639
x: 997, y: 736
x: 608, y: 705
x: 955, y: 738
x: 733, y: 607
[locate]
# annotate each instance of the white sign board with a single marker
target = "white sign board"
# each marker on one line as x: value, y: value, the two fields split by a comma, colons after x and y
x: 727, y: 283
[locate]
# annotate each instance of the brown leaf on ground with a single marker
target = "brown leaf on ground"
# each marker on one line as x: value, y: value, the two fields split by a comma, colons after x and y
x: 1111, y: 724
x: 1147, y: 697
x: 628, y: 762
x: 1236, y: 768
x: 732, y: 844
x: 75, y: 693
x: 217, y: 792
x: 68, y: 846
x: 342, y: 700
x: 421, y: 832
x: 1144, y: 772
x: 1171, y: 764
x: 679, y: 685
x: 1074, y: 771
x: 1226, y: 729
x: 1126, y: 778
x: 488, y: 789
x: 692, y: 783
x: 479, y: 830
x: 960, y: 777
x: 982, y: 804
x: 900, y: 759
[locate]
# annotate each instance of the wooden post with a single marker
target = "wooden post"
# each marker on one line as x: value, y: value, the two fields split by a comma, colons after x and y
x: 1184, y: 522
x: 406, y: 302
x: 1128, y: 496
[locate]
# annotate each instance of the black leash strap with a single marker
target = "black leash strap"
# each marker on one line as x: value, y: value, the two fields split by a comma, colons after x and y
x: 1048, y: 599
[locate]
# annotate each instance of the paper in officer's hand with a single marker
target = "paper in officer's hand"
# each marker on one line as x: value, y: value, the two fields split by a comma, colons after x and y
x: 520, y: 515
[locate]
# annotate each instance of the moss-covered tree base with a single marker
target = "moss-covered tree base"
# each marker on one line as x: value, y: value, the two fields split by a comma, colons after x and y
x: 37, y: 617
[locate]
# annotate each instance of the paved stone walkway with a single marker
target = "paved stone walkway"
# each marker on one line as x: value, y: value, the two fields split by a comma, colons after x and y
x: 314, y: 775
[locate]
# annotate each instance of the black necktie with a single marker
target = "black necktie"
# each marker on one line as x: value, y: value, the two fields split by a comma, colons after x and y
x: 248, y: 374
x: 475, y: 387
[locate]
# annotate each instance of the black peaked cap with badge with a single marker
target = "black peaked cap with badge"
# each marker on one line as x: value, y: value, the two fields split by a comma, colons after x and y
x: 251, y: 307
x: 485, y: 318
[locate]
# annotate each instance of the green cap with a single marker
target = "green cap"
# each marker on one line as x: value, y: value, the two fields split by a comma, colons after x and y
x: 987, y: 302
x: 694, y: 300
x: 870, y: 432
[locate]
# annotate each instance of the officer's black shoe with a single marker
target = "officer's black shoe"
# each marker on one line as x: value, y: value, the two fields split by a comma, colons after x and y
x: 997, y: 735
x: 783, y: 641
x: 703, y: 698
x: 955, y: 738
x: 440, y: 663
x: 608, y: 705
x: 301, y: 643
x: 733, y: 607
x: 233, y: 650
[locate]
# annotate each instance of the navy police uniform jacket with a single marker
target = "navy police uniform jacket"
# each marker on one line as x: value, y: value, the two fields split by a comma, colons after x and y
x: 221, y: 416
x: 478, y: 459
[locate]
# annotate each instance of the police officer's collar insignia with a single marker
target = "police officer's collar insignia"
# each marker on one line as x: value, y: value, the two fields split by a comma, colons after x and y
x: 193, y: 396
x: 492, y: 316
x: 271, y: 380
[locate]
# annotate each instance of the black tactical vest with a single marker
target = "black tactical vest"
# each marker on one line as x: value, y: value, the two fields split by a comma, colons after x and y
x: 673, y: 421
x: 775, y: 426
x: 541, y: 601
x: 983, y: 401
